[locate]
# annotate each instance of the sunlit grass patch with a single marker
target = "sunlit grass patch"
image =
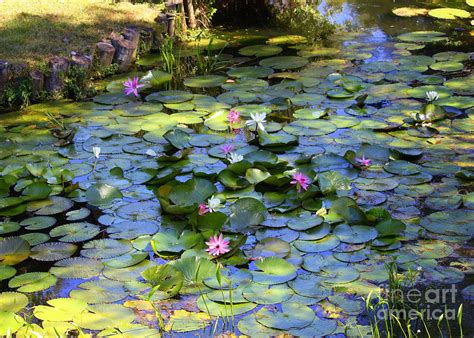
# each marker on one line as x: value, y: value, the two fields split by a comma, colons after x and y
x: 33, y: 30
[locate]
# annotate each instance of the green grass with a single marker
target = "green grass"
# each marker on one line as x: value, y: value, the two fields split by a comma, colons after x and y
x: 32, y: 30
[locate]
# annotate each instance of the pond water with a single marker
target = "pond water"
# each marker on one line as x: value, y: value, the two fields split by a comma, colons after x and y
x: 93, y: 194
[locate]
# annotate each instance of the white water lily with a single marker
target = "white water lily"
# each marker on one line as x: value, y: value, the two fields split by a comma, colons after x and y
x: 151, y: 152
x: 432, y: 96
x: 96, y: 151
x: 213, y: 203
x: 257, y: 120
x: 234, y: 158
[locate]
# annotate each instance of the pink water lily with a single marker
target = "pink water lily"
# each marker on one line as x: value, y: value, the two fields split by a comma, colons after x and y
x: 364, y: 162
x: 132, y: 86
x: 227, y: 148
x: 301, y: 181
x: 217, y: 245
x: 203, y: 209
x: 233, y: 116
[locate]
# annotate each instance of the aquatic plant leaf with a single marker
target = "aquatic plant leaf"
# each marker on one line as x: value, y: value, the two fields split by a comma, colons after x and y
x: 77, y: 267
x: 13, y: 250
x: 185, y: 321
x: 449, y: 13
x: 245, y: 213
x: 32, y: 281
x: 260, y: 50
x: 13, y: 301
x: 165, y: 278
x: 102, y: 194
x: 292, y: 315
x: 75, y: 232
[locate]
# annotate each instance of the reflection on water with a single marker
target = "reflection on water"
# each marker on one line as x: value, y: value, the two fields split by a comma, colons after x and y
x: 377, y: 14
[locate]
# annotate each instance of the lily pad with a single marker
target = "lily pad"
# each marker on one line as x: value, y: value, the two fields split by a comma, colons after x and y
x: 292, y: 315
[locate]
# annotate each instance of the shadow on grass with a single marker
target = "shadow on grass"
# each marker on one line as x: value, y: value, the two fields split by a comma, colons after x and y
x: 29, y: 38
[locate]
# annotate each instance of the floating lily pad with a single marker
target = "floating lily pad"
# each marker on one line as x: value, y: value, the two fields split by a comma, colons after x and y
x: 53, y: 251
x: 274, y: 270
x: 449, y: 13
x: 204, y: 81
x: 267, y: 294
x: 75, y: 232
x: 13, y: 250
x: 260, y: 50
x: 13, y: 301
x: 292, y: 315
x: 423, y: 36
x: 185, y: 321
x: 284, y: 62
x: 32, y: 281
x: 249, y: 71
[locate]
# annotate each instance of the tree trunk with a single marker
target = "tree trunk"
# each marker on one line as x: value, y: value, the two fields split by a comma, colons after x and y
x: 104, y: 54
x: 191, y: 15
x: 184, y: 26
x: 134, y: 36
x: 57, y: 67
x: 125, y: 51
x: 81, y: 61
x: 4, y: 74
x: 37, y: 83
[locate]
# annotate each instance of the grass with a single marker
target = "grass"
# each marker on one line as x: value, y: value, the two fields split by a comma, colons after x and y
x: 30, y: 31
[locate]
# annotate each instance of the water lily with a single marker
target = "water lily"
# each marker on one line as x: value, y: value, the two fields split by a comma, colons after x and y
x: 217, y: 245
x: 203, y: 209
x: 301, y: 181
x: 96, y: 151
x: 132, y: 86
x: 257, y: 120
x: 151, y: 152
x: 233, y: 116
x: 234, y: 158
x: 213, y: 203
x: 432, y: 96
x: 227, y: 148
x: 362, y: 161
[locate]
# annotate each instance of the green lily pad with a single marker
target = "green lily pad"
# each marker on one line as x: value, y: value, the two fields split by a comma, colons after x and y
x: 250, y: 71
x: 205, y: 81
x: 451, y: 222
x: 355, y: 234
x: 13, y: 301
x: 75, y: 232
x: 260, y: 50
x: 292, y: 315
x: 423, y: 36
x: 267, y: 294
x: 33, y: 281
x: 77, y: 267
x: 185, y: 321
x: 53, y: 251
x: 447, y: 66
x: 13, y: 250
x: 449, y: 13
x: 274, y: 270
x: 284, y: 62
x: 10, y: 323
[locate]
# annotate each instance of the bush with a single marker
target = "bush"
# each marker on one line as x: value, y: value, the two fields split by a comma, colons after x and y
x: 305, y: 20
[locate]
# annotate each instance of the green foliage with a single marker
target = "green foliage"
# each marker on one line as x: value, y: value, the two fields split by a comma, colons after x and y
x: 77, y: 83
x: 19, y: 93
x: 305, y: 20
